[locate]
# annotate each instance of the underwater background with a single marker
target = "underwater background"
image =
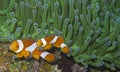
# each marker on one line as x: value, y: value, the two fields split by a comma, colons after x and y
x: 91, y: 29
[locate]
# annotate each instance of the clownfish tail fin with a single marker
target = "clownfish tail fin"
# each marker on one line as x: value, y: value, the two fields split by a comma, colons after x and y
x: 64, y: 48
x: 48, y: 57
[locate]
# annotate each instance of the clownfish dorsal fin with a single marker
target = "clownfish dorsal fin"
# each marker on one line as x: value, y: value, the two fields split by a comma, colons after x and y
x: 21, y: 46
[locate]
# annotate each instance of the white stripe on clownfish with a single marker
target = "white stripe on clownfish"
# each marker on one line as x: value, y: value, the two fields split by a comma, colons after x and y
x: 62, y: 45
x: 44, y: 54
x: 21, y: 46
x: 54, y: 40
x: 43, y: 41
x: 32, y: 47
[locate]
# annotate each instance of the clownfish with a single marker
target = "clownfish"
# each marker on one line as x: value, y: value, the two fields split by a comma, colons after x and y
x: 49, y: 41
x: 28, y: 48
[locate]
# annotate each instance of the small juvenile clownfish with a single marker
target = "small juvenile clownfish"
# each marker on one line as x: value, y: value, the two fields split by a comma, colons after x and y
x: 28, y: 48
x: 57, y: 41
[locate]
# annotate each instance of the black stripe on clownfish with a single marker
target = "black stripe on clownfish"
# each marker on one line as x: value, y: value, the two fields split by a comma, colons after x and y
x: 27, y: 47
x: 50, y: 41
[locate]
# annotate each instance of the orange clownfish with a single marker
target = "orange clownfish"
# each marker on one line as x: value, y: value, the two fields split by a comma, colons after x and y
x: 28, y: 48
x: 57, y: 41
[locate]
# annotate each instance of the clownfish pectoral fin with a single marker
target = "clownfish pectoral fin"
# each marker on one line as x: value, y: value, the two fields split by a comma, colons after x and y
x: 48, y: 57
x: 37, y: 57
x: 26, y: 54
x: 36, y: 54
x: 19, y: 55
x: 48, y: 46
